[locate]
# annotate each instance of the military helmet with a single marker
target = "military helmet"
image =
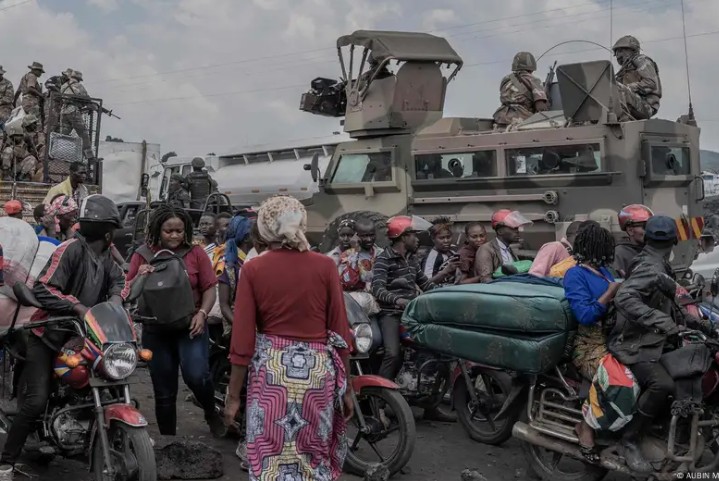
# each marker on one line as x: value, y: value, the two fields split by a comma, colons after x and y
x: 77, y: 75
x: 68, y: 72
x: 627, y: 41
x: 524, y: 61
x: 198, y: 163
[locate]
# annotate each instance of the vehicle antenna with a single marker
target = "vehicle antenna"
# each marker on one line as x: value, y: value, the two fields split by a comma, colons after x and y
x: 611, y: 25
x: 686, y: 63
x: 572, y: 41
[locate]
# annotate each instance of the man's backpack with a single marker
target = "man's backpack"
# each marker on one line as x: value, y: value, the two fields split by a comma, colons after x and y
x: 166, y: 291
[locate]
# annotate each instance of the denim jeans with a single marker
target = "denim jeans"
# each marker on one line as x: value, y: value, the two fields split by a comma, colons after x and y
x: 170, y: 351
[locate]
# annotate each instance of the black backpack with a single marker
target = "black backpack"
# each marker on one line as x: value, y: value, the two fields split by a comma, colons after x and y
x: 166, y: 292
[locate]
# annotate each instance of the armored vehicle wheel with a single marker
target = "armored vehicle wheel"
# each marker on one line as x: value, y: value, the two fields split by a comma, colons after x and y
x: 329, y: 238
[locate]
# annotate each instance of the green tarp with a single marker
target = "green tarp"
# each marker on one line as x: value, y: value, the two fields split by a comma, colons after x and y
x: 515, y: 326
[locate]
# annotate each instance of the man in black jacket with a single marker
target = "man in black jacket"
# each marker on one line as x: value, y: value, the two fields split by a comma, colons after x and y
x: 78, y: 275
x: 645, y: 319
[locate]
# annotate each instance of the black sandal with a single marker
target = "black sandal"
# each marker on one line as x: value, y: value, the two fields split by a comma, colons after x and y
x: 590, y: 454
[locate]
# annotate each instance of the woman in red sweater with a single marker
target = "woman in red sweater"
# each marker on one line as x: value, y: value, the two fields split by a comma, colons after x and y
x: 291, y: 330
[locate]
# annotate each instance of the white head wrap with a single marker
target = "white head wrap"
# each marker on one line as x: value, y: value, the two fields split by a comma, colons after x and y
x: 283, y: 219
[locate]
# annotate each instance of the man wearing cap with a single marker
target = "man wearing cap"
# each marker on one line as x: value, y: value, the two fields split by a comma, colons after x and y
x: 13, y: 208
x: 7, y: 93
x: 71, y: 115
x: 492, y: 255
x: 31, y: 90
x: 200, y: 184
x: 638, y: 80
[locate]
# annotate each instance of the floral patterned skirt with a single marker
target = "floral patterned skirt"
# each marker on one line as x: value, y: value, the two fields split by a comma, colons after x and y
x: 295, y: 427
x: 590, y: 346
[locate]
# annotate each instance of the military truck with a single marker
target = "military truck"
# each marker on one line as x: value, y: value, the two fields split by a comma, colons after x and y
x: 574, y: 162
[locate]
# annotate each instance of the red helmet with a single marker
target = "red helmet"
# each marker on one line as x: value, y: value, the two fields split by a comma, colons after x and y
x: 509, y: 218
x: 402, y: 224
x: 634, y: 214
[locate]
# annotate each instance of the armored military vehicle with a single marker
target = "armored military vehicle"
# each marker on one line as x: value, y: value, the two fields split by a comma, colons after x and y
x: 574, y: 162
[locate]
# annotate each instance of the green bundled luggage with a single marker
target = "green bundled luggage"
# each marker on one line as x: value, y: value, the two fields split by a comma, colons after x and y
x: 518, y: 326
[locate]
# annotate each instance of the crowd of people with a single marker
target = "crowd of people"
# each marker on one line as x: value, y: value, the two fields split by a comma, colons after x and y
x: 298, y: 319
x: 29, y: 114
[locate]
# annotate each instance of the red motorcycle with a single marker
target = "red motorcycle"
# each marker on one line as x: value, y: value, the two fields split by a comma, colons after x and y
x: 90, y: 413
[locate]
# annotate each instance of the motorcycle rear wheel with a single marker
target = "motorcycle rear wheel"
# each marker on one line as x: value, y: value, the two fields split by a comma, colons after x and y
x: 368, y: 400
x: 131, y: 443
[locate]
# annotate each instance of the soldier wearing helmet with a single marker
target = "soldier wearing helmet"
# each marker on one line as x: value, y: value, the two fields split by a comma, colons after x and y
x: 638, y: 80
x: 646, y: 318
x: 177, y: 194
x: 492, y: 255
x: 22, y: 149
x: 199, y: 183
x: 521, y: 93
x: 632, y: 220
x: 71, y: 117
x: 395, y: 277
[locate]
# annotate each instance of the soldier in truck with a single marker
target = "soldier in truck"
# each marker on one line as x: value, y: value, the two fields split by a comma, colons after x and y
x: 638, y: 80
x: 520, y: 92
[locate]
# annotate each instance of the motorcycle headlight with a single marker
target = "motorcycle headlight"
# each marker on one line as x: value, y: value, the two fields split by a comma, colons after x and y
x: 363, y: 337
x: 119, y: 361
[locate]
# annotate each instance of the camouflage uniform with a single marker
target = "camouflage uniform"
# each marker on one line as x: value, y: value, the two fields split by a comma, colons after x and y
x: 31, y: 90
x: 7, y: 93
x: 53, y: 105
x: 71, y: 116
x: 519, y: 91
x: 638, y: 82
x: 21, y: 151
x: 200, y: 184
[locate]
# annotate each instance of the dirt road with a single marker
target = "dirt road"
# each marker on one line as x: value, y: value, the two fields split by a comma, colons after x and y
x: 442, y: 451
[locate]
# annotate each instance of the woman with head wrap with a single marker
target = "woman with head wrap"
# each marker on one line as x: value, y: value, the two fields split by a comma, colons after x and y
x: 345, y: 233
x: 237, y: 246
x: 297, y: 314
x: 65, y: 210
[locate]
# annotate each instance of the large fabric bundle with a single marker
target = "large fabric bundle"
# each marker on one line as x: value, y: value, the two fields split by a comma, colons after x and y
x: 612, y: 396
x: 521, y: 324
x: 24, y: 256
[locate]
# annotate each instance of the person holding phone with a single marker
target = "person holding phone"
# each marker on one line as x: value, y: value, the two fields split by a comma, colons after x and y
x: 441, y: 263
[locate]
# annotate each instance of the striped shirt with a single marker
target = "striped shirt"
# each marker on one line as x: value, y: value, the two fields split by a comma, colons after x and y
x: 396, y: 277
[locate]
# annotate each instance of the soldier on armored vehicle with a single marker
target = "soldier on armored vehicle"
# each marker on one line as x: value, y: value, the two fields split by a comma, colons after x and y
x: 638, y: 80
x: 520, y: 92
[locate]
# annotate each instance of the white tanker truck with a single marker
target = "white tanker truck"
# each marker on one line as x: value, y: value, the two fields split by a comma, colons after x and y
x: 247, y: 178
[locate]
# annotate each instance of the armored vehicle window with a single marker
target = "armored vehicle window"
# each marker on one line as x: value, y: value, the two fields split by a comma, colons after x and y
x: 670, y: 160
x: 552, y: 160
x: 460, y: 165
x: 357, y: 168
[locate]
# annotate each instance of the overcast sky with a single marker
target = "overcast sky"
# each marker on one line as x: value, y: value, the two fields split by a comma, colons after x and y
x: 221, y: 75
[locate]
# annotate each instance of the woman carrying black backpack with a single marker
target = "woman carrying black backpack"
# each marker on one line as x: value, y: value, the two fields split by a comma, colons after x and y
x: 179, y: 291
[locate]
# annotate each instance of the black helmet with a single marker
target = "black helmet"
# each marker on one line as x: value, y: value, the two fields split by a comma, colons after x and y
x: 198, y: 163
x: 98, y: 208
x: 660, y: 228
x: 524, y: 61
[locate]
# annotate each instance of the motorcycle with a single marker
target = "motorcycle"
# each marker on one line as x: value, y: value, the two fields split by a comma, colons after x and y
x: 90, y: 412
x: 373, y: 397
x: 554, y: 407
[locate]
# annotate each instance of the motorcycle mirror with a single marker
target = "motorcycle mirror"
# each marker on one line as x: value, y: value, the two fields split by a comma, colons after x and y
x: 315, y: 167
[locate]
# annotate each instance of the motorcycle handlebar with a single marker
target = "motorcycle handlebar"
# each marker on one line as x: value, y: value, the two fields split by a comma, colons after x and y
x: 49, y: 322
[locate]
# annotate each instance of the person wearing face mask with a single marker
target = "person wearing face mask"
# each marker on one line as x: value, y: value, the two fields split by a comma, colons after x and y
x: 632, y: 220
x: 646, y: 318
x: 492, y: 255
x: 640, y: 88
x: 79, y: 275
